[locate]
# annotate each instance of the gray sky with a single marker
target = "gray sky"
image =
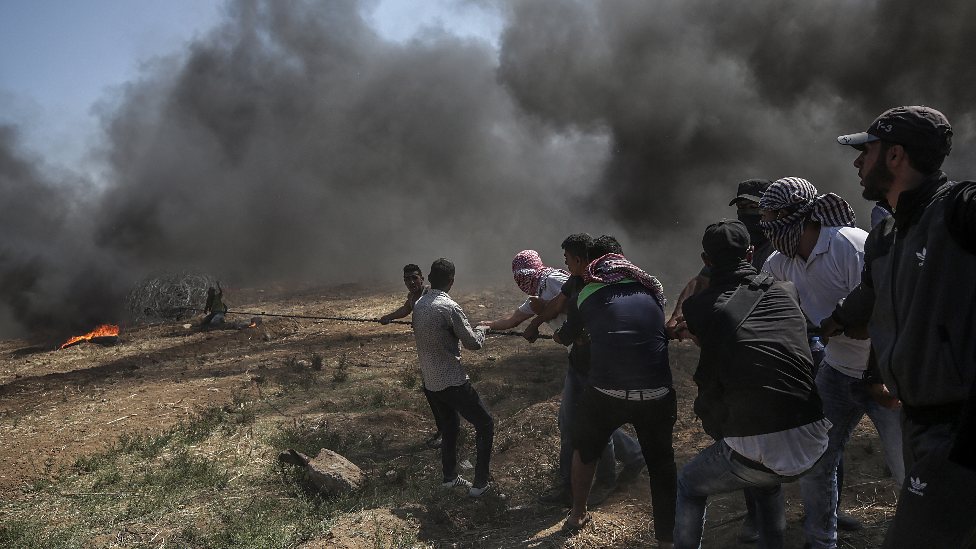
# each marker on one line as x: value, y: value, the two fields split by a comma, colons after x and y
x: 60, y: 58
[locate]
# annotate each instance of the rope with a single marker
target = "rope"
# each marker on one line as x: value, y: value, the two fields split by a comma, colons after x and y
x: 350, y: 319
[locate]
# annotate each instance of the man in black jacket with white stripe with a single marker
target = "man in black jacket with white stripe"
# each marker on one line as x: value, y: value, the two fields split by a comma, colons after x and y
x: 917, y: 297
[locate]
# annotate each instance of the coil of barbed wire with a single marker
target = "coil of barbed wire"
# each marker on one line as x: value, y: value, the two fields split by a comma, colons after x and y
x: 168, y: 295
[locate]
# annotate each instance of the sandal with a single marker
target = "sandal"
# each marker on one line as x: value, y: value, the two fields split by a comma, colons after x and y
x: 573, y: 529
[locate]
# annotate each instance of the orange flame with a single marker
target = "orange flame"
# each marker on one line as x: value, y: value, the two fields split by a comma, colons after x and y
x: 104, y: 330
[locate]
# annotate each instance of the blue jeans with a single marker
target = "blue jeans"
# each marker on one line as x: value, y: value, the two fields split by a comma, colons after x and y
x: 213, y: 319
x: 451, y: 405
x: 714, y: 472
x: 845, y: 401
x: 621, y: 447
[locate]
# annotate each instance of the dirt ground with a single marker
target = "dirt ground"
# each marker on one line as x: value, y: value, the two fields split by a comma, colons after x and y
x: 58, y: 404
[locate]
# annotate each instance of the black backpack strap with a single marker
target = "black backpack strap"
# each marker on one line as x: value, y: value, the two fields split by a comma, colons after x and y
x: 740, y: 306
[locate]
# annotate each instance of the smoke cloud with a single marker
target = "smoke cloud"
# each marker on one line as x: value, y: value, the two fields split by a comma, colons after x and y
x: 294, y: 142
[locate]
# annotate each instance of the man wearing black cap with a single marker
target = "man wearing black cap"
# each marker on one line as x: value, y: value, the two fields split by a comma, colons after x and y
x: 756, y: 395
x: 746, y: 201
x: 918, y: 300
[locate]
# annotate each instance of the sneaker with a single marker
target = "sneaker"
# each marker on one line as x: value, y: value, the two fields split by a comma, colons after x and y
x: 630, y: 472
x: 434, y: 441
x: 457, y: 481
x: 599, y: 493
x: 750, y: 530
x: 558, y: 496
x: 847, y: 522
x: 476, y: 492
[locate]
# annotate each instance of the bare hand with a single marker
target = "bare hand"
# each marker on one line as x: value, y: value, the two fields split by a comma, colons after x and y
x: 681, y: 331
x: 531, y: 333
x: 829, y: 328
x: 384, y: 320
x: 537, y: 304
x: 879, y: 392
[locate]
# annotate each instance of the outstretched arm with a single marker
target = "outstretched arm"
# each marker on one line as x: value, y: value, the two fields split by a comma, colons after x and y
x: 506, y: 323
x: 695, y: 285
x: 403, y: 311
x: 553, y: 308
x: 472, y: 339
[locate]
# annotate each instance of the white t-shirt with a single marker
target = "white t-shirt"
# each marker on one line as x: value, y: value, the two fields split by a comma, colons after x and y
x: 788, y: 452
x: 827, y: 276
x: 549, y: 287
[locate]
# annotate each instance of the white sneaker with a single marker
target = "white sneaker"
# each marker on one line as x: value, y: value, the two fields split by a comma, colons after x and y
x: 458, y: 481
x: 477, y: 492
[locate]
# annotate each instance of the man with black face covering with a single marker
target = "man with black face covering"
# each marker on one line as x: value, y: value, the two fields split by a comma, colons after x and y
x: 747, y: 203
x: 746, y: 200
x: 821, y: 252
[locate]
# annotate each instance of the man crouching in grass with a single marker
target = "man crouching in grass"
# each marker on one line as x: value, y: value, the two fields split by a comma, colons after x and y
x: 440, y: 328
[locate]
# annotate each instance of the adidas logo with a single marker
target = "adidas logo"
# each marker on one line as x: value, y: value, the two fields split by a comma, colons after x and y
x: 917, y: 486
x: 921, y: 257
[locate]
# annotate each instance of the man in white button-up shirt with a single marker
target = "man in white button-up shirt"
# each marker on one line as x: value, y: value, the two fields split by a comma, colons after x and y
x: 822, y: 253
x: 441, y: 328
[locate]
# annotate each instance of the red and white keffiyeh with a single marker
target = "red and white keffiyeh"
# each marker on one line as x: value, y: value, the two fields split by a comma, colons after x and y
x: 529, y: 272
x: 615, y: 267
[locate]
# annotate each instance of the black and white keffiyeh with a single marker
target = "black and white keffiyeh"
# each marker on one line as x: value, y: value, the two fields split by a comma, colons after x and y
x: 800, y: 198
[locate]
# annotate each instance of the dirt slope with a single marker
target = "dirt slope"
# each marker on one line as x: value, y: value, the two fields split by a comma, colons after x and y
x: 58, y: 404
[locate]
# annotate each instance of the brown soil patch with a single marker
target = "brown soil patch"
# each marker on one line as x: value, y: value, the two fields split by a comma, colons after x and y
x: 56, y: 405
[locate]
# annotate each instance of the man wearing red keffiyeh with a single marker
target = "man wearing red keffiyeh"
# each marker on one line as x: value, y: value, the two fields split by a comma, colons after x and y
x: 539, y: 282
x: 544, y: 285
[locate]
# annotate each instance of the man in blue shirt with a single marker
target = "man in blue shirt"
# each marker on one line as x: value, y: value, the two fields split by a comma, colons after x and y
x: 622, y: 309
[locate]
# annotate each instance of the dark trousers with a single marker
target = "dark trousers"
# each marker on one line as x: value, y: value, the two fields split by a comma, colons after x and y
x: 451, y: 405
x: 653, y: 420
x: 438, y: 419
x: 937, y: 504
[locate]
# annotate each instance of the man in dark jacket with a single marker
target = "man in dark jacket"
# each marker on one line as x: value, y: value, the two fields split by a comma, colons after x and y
x: 629, y: 381
x: 746, y: 201
x: 756, y: 395
x: 918, y: 300
x: 215, y: 307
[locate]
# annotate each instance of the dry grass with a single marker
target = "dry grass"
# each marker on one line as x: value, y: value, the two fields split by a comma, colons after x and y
x: 170, y: 439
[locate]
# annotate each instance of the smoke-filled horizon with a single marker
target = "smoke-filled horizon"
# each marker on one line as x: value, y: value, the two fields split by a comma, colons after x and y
x: 294, y: 142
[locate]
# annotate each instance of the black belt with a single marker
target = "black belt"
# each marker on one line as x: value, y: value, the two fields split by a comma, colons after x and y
x: 754, y: 465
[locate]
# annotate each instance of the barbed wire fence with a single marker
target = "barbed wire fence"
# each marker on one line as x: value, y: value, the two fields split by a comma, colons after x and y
x: 168, y: 295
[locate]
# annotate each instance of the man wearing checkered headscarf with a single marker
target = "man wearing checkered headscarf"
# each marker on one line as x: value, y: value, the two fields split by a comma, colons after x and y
x: 613, y: 268
x: 529, y: 272
x: 821, y: 252
x: 794, y: 202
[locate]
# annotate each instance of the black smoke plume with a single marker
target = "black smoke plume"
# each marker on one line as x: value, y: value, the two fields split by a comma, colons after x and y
x: 294, y: 142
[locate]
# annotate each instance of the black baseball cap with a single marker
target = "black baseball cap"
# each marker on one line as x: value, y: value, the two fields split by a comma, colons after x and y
x: 918, y: 126
x: 752, y: 190
x: 726, y: 241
